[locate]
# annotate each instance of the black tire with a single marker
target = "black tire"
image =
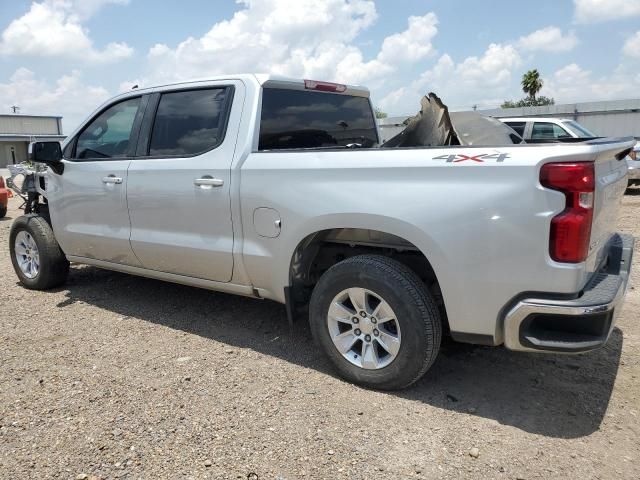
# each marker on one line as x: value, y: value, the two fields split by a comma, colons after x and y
x: 3, y: 211
x: 54, y: 266
x: 414, y: 308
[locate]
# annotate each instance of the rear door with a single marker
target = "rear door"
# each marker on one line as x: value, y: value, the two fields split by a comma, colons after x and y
x: 179, y: 185
x: 88, y: 202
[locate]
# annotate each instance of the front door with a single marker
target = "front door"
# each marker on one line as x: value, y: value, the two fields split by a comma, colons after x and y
x: 179, y: 185
x: 88, y: 202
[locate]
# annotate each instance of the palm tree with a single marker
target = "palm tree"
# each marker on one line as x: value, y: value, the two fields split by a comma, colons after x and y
x: 531, y: 83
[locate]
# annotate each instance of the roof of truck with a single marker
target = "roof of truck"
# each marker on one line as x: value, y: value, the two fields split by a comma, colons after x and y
x: 263, y: 79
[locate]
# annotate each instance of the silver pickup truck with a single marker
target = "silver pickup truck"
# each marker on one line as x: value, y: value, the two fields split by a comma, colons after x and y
x: 277, y: 189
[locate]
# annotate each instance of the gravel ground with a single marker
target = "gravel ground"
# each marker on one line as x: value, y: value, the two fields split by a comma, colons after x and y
x: 115, y: 376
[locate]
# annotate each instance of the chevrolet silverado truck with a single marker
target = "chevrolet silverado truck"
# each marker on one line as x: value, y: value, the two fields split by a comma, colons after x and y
x: 278, y: 189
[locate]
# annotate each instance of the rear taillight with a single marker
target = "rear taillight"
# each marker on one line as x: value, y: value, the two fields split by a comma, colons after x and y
x: 571, y: 229
x: 2, y: 182
x: 324, y: 86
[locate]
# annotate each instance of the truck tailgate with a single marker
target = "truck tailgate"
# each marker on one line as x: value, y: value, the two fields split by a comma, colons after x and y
x: 611, y: 183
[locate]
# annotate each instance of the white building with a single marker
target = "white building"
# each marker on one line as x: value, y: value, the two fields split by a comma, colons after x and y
x: 16, y: 131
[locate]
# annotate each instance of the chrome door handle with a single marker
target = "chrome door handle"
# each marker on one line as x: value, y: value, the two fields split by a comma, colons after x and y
x: 208, y: 182
x: 112, y: 179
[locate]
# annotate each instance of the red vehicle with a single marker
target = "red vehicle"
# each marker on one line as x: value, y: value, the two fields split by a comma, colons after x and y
x: 4, y: 197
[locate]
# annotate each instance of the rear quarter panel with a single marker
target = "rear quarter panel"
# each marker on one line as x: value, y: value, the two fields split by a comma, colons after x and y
x: 483, y: 224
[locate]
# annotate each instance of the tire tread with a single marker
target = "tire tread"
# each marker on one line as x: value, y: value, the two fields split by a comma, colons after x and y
x: 408, y: 280
x: 54, y: 266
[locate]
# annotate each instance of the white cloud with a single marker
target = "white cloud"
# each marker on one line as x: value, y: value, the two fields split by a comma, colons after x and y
x: 53, y: 28
x: 271, y: 36
x: 549, y: 39
x: 484, y: 80
x: 413, y: 44
x: 595, y: 11
x: 303, y: 38
x: 68, y: 96
x: 632, y: 46
x: 280, y: 36
x: 574, y: 84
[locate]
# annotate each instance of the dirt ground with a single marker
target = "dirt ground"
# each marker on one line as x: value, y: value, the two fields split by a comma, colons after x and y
x: 115, y: 376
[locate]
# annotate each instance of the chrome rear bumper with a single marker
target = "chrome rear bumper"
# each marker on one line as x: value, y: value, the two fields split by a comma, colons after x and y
x: 579, y: 324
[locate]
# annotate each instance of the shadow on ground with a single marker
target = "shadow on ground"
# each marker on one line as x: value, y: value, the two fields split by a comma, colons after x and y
x: 551, y: 395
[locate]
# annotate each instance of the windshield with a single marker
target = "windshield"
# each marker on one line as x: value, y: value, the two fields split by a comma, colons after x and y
x: 578, y: 129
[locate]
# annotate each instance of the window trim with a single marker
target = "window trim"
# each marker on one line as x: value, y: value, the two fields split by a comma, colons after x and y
x: 148, y: 122
x: 135, y: 132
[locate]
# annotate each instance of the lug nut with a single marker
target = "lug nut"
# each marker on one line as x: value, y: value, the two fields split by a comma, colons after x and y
x: 355, y: 319
x: 357, y: 332
x: 367, y: 338
x: 376, y: 332
x: 373, y: 320
x: 363, y: 314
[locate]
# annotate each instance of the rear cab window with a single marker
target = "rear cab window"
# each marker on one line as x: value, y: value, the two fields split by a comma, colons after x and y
x: 295, y: 119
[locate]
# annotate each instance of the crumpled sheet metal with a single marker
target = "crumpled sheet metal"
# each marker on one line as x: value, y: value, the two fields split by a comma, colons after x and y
x: 430, y: 127
x: 434, y: 126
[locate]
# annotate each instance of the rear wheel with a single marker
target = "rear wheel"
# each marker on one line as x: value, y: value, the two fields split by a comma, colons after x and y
x: 36, y: 256
x: 3, y: 211
x: 376, y: 321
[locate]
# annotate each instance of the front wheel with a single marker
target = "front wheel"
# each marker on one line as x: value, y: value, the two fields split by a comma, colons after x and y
x: 36, y: 256
x: 376, y: 321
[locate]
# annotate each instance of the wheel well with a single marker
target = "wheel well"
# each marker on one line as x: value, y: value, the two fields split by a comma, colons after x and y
x: 320, y: 251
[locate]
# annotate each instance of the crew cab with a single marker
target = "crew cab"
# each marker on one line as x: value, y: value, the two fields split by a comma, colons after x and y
x: 277, y: 188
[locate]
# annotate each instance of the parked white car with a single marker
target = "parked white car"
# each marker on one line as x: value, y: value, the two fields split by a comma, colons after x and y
x: 633, y: 160
x: 276, y: 188
x: 547, y: 129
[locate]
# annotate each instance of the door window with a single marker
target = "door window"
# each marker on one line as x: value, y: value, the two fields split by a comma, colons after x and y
x: 109, y: 134
x: 518, y: 127
x: 548, y: 131
x: 190, y: 122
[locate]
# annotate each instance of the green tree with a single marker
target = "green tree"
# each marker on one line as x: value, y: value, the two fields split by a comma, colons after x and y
x: 379, y: 113
x: 529, y: 102
x: 531, y: 83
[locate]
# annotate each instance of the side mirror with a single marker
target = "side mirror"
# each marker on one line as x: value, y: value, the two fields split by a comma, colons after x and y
x: 49, y: 153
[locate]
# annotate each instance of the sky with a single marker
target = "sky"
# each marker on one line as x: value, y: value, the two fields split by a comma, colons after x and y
x: 65, y: 57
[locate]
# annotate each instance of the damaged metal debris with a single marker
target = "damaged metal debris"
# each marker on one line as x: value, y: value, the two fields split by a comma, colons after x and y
x: 434, y: 126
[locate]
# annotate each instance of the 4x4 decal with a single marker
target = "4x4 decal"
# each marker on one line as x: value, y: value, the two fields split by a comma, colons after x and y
x: 480, y: 158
